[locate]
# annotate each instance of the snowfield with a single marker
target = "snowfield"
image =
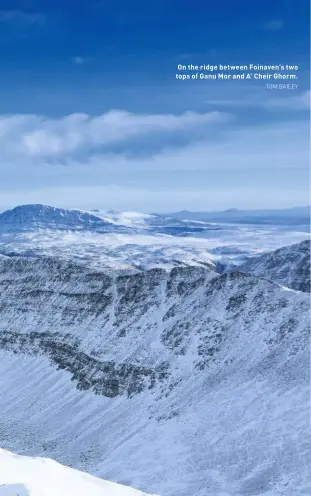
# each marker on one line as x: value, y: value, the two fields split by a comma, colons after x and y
x: 25, y: 476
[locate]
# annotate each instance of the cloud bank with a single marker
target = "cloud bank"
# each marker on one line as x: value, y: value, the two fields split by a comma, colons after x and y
x: 82, y: 160
x: 300, y: 101
x: 39, y: 136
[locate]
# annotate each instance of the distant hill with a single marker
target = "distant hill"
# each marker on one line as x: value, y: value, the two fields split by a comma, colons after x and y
x: 288, y: 216
x: 36, y: 217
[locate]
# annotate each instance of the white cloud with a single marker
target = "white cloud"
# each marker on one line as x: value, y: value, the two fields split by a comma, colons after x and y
x: 298, y: 101
x: 43, y: 161
x: 293, y: 101
x: 76, y: 141
x: 274, y: 25
x: 78, y: 60
x: 44, y: 137
x: 21, y: 17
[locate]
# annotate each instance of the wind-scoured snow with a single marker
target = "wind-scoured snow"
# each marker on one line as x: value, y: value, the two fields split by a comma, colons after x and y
x: 28, y: 476
x: 125, y: 218
x: 179, y: 383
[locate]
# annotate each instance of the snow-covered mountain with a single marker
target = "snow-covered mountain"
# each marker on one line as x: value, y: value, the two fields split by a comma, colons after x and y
x: 28, y: 218
x: 36, y: 217
x: 128, y: 241
x: 132, y: 241
x: 25, y: 476
x: 289, y: 266
x: 179, y: 383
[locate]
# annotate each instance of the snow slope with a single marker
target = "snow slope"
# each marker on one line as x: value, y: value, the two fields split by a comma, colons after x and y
x: 289, y: 266
x: 178, y: 383
x: 25, y: 476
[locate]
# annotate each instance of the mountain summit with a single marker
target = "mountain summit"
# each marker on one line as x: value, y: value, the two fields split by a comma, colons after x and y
x: 36, y: 217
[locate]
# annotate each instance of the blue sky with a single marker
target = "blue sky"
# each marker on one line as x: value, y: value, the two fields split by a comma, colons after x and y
x: 93, y: 117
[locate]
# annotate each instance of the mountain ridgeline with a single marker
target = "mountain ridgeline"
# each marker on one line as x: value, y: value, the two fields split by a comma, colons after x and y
x: 289, y: 266
x: 133, y: 242
x: 286, y: 216
x: 27, y: 218
x: 186, y: 367
x: 177, y: 381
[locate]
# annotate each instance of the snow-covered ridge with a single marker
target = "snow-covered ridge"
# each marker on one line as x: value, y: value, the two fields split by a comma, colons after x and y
x: 289, y: 266
x: 27, y: 218
x: 36, y: 217
x: 26, y: 476
x: 127, y: 241
x: 178, y: 383
x: 132, y: 241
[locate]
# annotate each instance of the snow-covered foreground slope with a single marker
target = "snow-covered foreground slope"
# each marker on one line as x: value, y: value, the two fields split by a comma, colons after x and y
x: 181, y: 384
x: 25, y: 476
x: 289, y: 266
